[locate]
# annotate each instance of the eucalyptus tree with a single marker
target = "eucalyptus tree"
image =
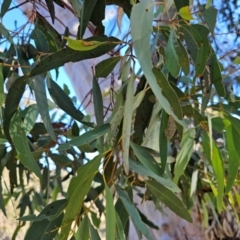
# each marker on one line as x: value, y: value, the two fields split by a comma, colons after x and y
x: 154, y: 126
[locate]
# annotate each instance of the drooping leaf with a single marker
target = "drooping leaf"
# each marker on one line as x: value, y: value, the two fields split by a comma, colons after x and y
x: 87, y: 9
x: 198, y: 45
x: 185, y: 153
x: 145, y: 158
x: 6, y: 33
x: 66, y: 55
x: 169, y: 199
x: 53, y: 37
x: 20, y: 141
x: 210, y: 16
x: 77, y: 7
x: 168, y: 92
x: 83, y: 229
x: 86, y: 137
x: 64, y: 101
x: 110, y: 215
x: 172, y: 57
x: 11, y: 104
x: 133, y: 213
x: 105, y: 67
x: 143, y: 171
x: 213, y: 155
x: 45, y: 229
x: 38, y: 86
x: 184, y: 59
x: 216, y: 76
x: 141, y: 29
x: 51, y: 9
x: 127, y: 122
x: 233, y: 158
x: 5, y: 6
x: 93, y: 232
x: 2, y: 205
x: 97, y: 17
x: 163, y: 141
x: 40, y: 40
x: 2, y: 95
x: 97, y: 102
x: 120, y: 231
x: 143, y: 112
x: 147, y: 221
x: 30, y: 116
x: 78, y: 188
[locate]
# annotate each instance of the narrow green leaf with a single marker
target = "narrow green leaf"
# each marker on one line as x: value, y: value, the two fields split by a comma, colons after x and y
x: 110, y: 215
x: 196, y: 37
x: 54, y: 39
x: 87, y: 9
x: 146, y: 159
x: 93, y: 232
x: 147, y: 221
x: 127, y: 122
x: 98, y: 15
x: 133, y: 213
x: 172, y: 58
x: 2, y: 94
x: 46, y: 230
x: 33, y: 218
x: 66, y: 55
x: 120, y: 230
x: 30, y: 117
x: 87, y: 137
x: 233, y: 158
x: 185, y: 153
x: 78, y: 188
x: 40, y: 40
x: 63, y: 100
x: 11, y: 104
x: 83, y: 229
x: 5, y: 6
x: 168, y: 92
x: 6, y: 33
x: 51, y: 9
x: 163, y: 141
x: 105, y: 67
x: 145, y: 172
x: 97, y: 102
x: 77, y: 7
x: 184, y: 59
x: 217, y: 164
x: 216, y: 76
x: 210, y: 16
x: 169, y: 199
x: 38, y: 86
x: 2, y: 205
x: 141, y: 29
x: 212, y: 154
x: 20, y: 141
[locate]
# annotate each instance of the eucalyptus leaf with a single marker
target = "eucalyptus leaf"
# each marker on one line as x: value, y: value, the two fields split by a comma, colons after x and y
x: 133, y: 213
x: 169, y: 199
x: 86, y: 137
x: 78, y: 188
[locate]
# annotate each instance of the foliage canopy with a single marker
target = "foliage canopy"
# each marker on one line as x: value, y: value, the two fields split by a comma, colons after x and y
x: 158, y: 139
